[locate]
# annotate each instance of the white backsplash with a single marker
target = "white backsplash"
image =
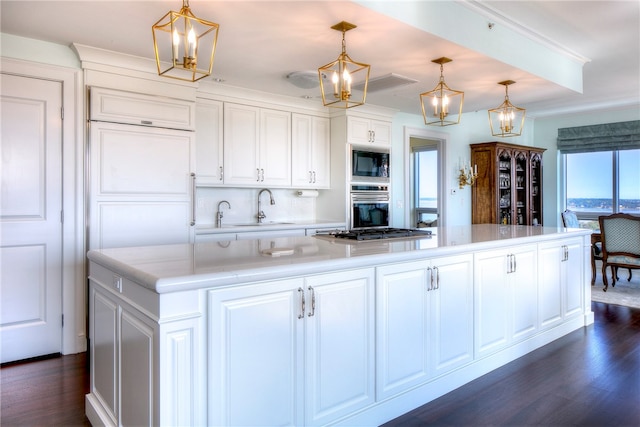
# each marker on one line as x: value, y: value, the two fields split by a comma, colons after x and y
x: 244, y: 205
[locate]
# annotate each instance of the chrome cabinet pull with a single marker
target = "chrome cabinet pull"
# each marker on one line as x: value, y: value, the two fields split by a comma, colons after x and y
x: 437, y: 277
x: 193, y: 199
x: 301, y: 292
x: 310, y: 177
x: 430, y: 287
x: 515, y: 266
x: 258, y: 174
x: 314, y: 177
x: 313, y: 302
x: 221, y: 173
x: 262, y: 173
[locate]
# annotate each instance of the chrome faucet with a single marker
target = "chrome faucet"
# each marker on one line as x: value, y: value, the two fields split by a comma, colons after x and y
x: 261, y: 214
x: 219, y: 213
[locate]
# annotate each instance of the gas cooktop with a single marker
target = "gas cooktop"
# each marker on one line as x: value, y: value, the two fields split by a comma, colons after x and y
x: 379, y: 233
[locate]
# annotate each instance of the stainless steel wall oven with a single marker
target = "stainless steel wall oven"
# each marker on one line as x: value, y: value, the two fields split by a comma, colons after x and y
x: 369, y: 206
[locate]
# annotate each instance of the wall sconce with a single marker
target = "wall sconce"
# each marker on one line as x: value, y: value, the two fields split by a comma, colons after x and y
x: 186, y: 42
x: 346, y: 76
x: 467, y: 175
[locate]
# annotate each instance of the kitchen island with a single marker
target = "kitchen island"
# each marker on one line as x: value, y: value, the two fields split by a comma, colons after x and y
x: 321, y: 331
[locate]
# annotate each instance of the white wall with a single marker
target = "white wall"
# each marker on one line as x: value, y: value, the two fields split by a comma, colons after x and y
x: 546, y: 133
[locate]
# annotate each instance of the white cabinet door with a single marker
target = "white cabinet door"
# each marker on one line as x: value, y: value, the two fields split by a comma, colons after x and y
x: 451, y: 313
x: 310, y: 151
x: 255, y: 350
x: 291, y: 352
x: 118, y: 106
x: 141, y: 186
x: 241, y: 156
x: 257, y: 146
x: 339, y: 349
x: 524, y: 286
x: 209, y: 148
x: 424, y: 321
x: 275, y: 148
x: 401, y: 327
x: 123, y: 360
x: 561, y: 281
x: 365, y: 131
x: 492, y: 298
x: 506, y: 308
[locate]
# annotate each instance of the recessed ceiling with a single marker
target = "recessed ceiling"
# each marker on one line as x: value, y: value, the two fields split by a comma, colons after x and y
x: 261, y: 42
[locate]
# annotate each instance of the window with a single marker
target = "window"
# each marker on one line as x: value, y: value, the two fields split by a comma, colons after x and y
x: 602, y: 183
x: 602, y: 169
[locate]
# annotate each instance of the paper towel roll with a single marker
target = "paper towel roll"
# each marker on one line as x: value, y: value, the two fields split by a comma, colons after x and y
x: 307, y: 193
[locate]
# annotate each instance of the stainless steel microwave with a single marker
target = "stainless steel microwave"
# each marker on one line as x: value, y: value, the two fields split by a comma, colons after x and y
x: 370, y: 164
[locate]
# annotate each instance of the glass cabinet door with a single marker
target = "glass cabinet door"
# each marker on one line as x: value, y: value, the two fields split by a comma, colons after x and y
x: 521, y: 202
x: 535, y: 174
x: 505, y: 190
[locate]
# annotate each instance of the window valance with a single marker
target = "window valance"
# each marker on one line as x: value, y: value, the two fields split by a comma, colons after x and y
x: 604, y: 137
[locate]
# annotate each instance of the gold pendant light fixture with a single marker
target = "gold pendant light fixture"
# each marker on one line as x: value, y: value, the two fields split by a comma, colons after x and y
x: 442, y: 106
x: 507, y: 119
x: 186, y: 43
x: 346, y: 76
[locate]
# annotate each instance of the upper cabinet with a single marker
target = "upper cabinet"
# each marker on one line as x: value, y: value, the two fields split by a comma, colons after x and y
x: 508, y: 189
x: 311, y: 165
x: 257, y: 146
x: 366, y: 131
x: 209, y: 152
x: 107, y: 105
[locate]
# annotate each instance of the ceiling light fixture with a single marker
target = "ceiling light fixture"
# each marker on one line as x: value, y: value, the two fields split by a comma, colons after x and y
x: 437, y: 104
x: 344, y: 73
x: 180, y: 38
x: 507, y: 119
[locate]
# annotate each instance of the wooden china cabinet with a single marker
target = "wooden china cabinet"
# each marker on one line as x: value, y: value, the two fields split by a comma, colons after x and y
x: 508, y: 189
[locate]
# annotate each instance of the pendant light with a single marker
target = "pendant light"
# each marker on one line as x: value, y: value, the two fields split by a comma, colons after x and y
x: 186, y: 43
x: 507, y: 119
x: 346, y: 77
x: 441, y: 103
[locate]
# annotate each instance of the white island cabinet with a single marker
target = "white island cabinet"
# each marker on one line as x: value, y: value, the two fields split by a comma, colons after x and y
x: 320, y: 331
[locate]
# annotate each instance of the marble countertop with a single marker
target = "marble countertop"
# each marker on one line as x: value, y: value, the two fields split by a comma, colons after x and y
x: 171, y: 268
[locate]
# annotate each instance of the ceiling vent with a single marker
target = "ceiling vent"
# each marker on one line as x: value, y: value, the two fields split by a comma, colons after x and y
x: 304, y: 79
x: 388, y: 81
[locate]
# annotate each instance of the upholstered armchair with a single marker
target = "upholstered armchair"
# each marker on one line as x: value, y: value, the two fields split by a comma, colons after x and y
x: 620, y: 244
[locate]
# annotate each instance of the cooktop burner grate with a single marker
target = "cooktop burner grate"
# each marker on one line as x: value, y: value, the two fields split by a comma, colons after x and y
x: 380, y: 233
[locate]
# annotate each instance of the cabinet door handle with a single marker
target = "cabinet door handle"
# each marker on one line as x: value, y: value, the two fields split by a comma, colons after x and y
x: 310, y: 177
x: 313, y: 302
x: 430, y: 286
x: 262, y: 174
x: 513, y: 260
x: 437, y: 277
x: 193, y: 199
x: 221, y: 173
x: 258, y: 174
x: 301, y: 293
x: 314, y: 177
x: 373, y: 136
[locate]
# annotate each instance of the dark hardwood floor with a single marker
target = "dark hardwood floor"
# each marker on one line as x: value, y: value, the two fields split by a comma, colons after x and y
x: 590, y: 377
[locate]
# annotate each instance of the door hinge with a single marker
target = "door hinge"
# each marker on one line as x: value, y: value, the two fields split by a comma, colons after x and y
x: 62, y: 320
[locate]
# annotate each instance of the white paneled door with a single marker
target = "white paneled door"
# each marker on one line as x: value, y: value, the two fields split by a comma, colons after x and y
x: 30, y: 218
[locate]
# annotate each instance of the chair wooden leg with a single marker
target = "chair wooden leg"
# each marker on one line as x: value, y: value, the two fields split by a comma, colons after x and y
x: 593, y: 269
x: 629, y: 279
x: 604, y: 276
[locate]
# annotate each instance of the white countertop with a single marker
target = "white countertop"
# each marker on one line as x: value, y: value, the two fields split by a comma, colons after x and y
x: 171, y: 268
